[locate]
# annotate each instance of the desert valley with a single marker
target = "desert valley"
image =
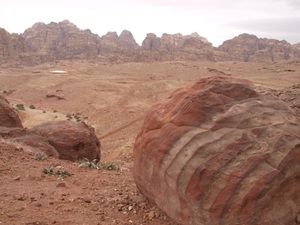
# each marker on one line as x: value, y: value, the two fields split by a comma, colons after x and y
x: 58, y: 72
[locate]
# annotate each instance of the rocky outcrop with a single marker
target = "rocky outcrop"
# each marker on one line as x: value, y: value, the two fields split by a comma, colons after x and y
x: 126, y: 40
x: 220, y: 152
x: 24, y: 139
x: 64, y: 41
x: 291, y: 95
x: 62, y: 139
x: 246, y: 47
x: 297, y: 45
x: 117, y: 49
x: 72, y: 141
x: 176, y: 47
x: 11, y: 45
x: 61, y: 40
x: 9, y: 116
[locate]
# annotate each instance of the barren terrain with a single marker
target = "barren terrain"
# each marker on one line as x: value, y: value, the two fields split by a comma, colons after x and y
x: 113, y: 98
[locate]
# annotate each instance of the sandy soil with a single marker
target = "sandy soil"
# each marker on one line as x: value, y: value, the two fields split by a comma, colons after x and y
x: 114, y: 100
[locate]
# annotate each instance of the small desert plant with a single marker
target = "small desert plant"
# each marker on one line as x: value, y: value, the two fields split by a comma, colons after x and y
x: 49, y: 170
x: 20, y: 106
x: 98, y: 165
x: 61, y: 173
x: 40, y: 156
x: 86, y: 162
x: 108, y: 166
x: 69, y: 116
x: 32, y: 106
x: 77, y: 117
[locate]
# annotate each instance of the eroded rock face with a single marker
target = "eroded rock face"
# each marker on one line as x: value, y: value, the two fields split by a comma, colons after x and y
x: 54, y: 41
x: 246, y: 47
x: 72, y: 141
x: 61, y: 139
x: 8, y: 115
x: 219, y: 152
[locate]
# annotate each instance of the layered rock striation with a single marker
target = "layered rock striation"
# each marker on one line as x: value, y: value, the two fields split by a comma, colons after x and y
x: 219, y: 152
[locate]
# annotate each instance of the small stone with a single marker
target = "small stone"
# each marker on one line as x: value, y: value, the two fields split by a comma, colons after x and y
x: 130, y: 208
x: 120, y: 207
x: 61, y: 185
x: 22, y: 198
x: 87, y: 200
x: 151, y: 215
x: 17, y: 178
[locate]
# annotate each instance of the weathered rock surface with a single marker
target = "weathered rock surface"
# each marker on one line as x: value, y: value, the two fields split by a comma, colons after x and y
x: 62, y: 139
x: 297, y: 45
x: 291, y: 95
x: 11, y: 45
x: 246, y: 47
x: 72, y: 141
x: 176, y: 47
x: 28, y: 141
x: 220, y: 152
x: 63, y: 40
x: 8, y: 115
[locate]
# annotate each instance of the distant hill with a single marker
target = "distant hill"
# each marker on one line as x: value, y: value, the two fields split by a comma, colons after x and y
x: 60, y: 41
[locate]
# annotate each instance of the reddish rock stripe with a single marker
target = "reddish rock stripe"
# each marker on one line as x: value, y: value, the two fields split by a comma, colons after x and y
x: 221, y: 202
x: 262, y: 195
x: 220, y: 171
x: 248, y: 211
x: 159, y: 146
x: 259, y: 190
x: 206, y: 171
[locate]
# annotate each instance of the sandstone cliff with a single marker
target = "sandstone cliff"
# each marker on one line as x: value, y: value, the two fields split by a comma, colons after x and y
x: 60, y: 41
x: 57, y: 41
x: 11, y: 45
x: 297, y: 45
x: 176, y: 47
x: 246, y: 47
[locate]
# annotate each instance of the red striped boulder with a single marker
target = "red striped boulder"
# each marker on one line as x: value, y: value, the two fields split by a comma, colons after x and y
x: 221, y: 153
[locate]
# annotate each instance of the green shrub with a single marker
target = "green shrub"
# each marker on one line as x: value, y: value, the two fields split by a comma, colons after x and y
x: 61, y: 173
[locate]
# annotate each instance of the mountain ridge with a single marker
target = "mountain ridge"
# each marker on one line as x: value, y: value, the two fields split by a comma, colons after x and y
x: 43, y: 43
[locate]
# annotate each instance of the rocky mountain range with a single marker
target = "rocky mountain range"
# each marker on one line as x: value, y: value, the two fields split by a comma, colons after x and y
x: 59, y: 41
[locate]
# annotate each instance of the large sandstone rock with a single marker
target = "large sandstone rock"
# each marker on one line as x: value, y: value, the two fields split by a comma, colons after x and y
x: 72, y: 141
x: 8, y: 115
x: 219, y: 152
x: 62, y: 139
x: 26, y: 140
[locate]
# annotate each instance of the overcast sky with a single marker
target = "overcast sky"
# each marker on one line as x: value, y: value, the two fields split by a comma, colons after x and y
x: 216, y: 20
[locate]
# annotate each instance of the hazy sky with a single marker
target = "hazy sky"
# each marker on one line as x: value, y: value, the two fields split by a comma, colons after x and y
x: 216, y: 20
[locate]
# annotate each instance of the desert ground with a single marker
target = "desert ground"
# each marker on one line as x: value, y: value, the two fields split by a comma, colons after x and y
x: 114, y: 99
